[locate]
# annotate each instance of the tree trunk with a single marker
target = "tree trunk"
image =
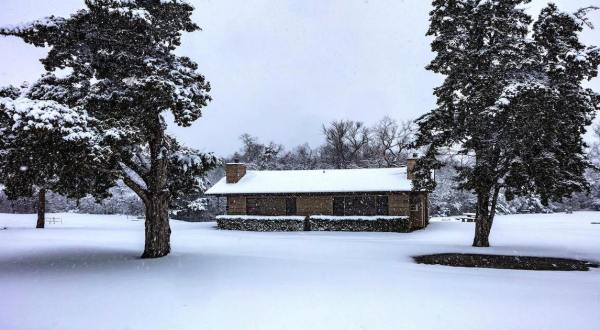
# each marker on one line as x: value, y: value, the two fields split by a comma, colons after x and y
x: 153, y: 191
x: 482, y: 232
x: 158, y: 231
x: 482, y: 220
x: 41, y: 211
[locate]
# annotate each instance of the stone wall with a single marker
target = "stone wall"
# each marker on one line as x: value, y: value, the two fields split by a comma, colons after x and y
x: 411, y: 204
x: 234, y: 172
x: 399, y: 204
x: 236, y: 205
x: 310, y: 205
x: 418, y: 210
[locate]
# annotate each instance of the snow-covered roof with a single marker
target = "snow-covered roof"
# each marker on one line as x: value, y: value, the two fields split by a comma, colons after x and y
x: 316, y: 181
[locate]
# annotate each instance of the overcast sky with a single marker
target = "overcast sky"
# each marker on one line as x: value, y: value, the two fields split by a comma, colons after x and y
x: 281, y: 68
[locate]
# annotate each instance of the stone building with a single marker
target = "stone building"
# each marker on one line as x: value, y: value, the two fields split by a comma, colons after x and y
x: 345, y: 192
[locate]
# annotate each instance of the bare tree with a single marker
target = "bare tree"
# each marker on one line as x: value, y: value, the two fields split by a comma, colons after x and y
x: 335, y: 148
x: 258, y: 155
x: 346, y: 142
x: 305, y: 157
x: 391, y: 141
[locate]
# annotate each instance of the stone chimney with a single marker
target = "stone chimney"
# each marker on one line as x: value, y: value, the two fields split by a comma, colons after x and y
x: 234, y: 171
x: 410, y: 166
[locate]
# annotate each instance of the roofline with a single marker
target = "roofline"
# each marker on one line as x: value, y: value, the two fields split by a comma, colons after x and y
x: 326, y: 169
x: 376, y: 192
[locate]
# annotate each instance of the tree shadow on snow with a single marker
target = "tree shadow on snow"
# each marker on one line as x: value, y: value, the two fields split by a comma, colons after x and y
x: 71, y: 260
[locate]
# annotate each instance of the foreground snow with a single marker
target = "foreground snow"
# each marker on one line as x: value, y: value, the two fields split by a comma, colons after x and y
x: 85, y: 274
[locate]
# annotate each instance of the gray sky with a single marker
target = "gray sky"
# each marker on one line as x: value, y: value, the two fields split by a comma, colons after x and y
x: 281, y: 68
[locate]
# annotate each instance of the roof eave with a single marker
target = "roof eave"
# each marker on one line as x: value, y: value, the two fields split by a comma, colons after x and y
x: 312, y: 193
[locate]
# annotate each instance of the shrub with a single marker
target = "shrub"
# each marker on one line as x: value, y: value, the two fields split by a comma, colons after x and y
x: 359, y: 223
x: 260, y: 223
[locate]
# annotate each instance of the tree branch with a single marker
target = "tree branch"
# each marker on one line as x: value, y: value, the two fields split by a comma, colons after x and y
x: 136, y: 188
x: 136, y: 184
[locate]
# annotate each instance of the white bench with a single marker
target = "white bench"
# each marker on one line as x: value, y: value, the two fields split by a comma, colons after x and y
x: 134, y: 217
x: 54, y: 220
x: 467, y: 217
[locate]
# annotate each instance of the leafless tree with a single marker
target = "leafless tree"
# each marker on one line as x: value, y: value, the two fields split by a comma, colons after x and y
x: 346, y: 143
x: 390, y: 142
x: 306, y: 158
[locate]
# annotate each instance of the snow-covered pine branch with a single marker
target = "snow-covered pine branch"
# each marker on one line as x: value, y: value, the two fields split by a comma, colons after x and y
x: 47, y: 145
x: 122, y: 69
x: 513, y: 98
x: 51, y: 116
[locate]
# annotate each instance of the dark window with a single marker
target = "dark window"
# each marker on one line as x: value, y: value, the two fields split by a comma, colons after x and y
x: 360, y: 205
x: 290, y: 206
x: 266, y: 206
x: 252, y: 206
x: 350, y: 205
x: 338, y: 206
x: 382, y: 205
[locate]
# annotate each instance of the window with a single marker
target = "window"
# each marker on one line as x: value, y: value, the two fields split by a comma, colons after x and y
x: 360, y: 205
x: 252, y: 206
x: 382, y: 205
x: 338, y: 206
x: 290, y: 206
x: 267, y: 206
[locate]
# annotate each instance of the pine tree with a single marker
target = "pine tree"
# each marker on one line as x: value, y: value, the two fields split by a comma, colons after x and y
x: 121, y: 59
x: 47, y: 146
x: 511, y: 102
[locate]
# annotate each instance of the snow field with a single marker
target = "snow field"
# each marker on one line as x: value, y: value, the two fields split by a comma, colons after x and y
x: 86, y: 274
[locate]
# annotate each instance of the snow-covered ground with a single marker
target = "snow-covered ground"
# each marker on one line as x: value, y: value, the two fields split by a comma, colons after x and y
x: 85, y: 274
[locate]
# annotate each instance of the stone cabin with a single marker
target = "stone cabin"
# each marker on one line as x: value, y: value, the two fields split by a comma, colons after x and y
x: 346, y: 192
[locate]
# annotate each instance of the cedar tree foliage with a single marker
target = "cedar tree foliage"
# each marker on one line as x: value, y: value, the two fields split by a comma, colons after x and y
x: 119, y: 55
x: 512, y: 100
x: 44, y: 144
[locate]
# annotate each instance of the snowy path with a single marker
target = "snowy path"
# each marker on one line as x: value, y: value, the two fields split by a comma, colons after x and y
x: 85, y: 274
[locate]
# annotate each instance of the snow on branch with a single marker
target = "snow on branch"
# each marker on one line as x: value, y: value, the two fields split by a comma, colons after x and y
x: 132, y: 13
x: 200, y: 204
x: 514, y: 90
x: 358, y: 217
x: 28, y: 114
x: 187, y: 89
x: 134, y: 9
x: 133, y: 177
x: 133, y: 2
x: 261, y: 217
x: 21, y: 28
x: 190, y: 160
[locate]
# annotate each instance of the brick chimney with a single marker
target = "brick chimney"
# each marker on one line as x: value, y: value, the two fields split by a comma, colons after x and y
x: 410, y: 166
x: 234, y: 171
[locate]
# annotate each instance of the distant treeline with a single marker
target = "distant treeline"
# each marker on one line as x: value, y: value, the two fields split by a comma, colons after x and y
x: 346, y: 144
x: 352, y: 144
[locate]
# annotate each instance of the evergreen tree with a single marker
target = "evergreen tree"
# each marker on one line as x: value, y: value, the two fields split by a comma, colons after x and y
x: 121, y: 59
x: 512, y: 102
x: 46, y: 145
